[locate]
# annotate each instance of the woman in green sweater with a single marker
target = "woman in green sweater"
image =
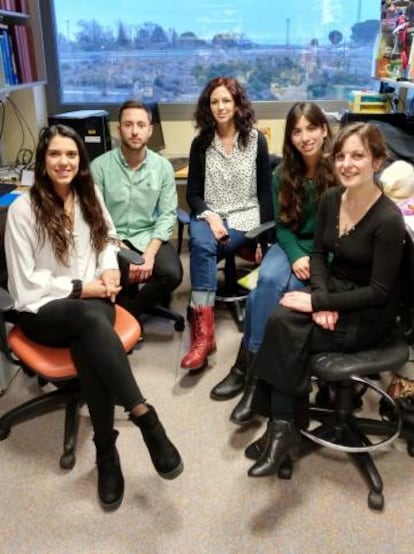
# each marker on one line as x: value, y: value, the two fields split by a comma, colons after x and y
x: 303, y: 175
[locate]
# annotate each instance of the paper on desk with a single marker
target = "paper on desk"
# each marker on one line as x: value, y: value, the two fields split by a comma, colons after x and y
x: 27, y: 178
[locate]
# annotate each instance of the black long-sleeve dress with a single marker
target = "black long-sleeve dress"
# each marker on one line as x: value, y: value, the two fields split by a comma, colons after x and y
x: 355, y: 274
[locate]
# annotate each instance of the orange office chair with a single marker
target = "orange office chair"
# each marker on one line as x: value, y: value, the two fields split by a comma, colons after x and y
x: 55, y: 366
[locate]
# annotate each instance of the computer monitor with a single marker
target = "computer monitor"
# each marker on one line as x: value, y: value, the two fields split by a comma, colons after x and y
x: 156, y: 141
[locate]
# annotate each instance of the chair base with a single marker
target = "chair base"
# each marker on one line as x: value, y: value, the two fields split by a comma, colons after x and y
x: 236, y: 302
x: 352, y: 433
x: 65, y: 397
x: 167, y: 313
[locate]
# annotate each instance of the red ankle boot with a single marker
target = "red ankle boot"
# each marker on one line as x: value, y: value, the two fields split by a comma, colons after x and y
x: 203, y: 341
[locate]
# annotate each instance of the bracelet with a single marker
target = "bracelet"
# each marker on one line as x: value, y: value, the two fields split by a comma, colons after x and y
x: 77, y: 289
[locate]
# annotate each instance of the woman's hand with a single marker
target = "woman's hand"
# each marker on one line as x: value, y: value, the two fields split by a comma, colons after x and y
x: 217, y: 227
x: 297, y: 300
x: 301, y: 268
x: 111, y: 280
x: 258, y: 255
x: 326, y: 319
x: 98, y: 289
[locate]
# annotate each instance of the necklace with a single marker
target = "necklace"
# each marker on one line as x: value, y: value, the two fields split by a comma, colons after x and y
x: 351, y: 215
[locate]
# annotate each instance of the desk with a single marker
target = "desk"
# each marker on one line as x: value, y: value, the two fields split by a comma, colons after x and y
x: 181, y: 176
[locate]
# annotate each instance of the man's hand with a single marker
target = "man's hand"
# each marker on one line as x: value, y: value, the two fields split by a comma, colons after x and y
x: 301, y: 268
x: 326, y: 319
x: 143, y: 272
x: 297, y: 300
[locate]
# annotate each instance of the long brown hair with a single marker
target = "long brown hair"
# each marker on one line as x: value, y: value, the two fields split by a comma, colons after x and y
x: 293, y: 168
x: 48, y: 208
x: 243, y: 118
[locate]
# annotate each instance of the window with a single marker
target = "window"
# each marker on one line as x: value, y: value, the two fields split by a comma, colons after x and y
x: 110, y: 50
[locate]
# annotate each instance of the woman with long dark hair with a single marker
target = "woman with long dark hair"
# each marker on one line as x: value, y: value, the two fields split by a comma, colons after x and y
x: 64, y: 278
x: 228, y: 193
x: 305, y: 172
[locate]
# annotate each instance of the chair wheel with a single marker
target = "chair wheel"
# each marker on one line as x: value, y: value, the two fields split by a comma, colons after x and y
x: 376, y: 500
x: 4, y: 433
x: 67, y: 460
x: 179, y: 325
x: 286, y: 469
x: 410, y: 449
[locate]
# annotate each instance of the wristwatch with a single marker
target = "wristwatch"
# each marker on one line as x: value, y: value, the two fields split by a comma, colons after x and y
x: 77, y: 289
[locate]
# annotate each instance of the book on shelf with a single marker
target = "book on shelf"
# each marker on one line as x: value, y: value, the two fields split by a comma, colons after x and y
x: 8, y: 56
x: 9, y: 5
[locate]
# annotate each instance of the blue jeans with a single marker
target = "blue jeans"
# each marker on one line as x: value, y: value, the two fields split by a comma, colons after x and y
x: 275, y: 278
x: 206, y: 251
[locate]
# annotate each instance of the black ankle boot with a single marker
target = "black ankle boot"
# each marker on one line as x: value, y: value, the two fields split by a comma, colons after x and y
x: 256, y: 448
x: 243, y: 412
x: 164, y: 455
x: 282, y: 438
x: 110, y: 478
x: 233, y: 383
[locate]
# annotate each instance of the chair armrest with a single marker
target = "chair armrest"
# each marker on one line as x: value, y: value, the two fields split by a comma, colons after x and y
x: 183, y: 216
x: 6, y: 301
x: 259, y: 230
x: 126, y: 257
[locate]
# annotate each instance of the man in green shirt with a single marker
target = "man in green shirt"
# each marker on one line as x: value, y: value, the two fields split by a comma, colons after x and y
x: 139, y: 190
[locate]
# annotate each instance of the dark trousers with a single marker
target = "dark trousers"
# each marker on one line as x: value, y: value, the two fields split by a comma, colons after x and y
x: 86, y: 327
x: 167, y: 274
x: 281, y: 364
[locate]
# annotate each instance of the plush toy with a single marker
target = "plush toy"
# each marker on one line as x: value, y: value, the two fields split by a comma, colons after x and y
x: 398, y: 181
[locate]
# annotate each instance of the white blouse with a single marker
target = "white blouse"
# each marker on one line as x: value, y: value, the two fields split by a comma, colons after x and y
x: 231, y: 183
x: 35, y: 276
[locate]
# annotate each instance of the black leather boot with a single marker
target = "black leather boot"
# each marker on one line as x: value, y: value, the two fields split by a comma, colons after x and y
x: 282, y: 439
x: 164, y: 455
x: 256, y: 448
x: 110, y: 478
x: 233, y: 383
x: 243, y: 412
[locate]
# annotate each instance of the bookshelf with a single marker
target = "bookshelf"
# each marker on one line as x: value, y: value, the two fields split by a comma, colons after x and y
x: 22, y: 63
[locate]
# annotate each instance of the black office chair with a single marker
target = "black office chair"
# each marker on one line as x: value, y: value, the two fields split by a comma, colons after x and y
x: 162, y: 310
x: 349, y: 374
x: 229, y: 291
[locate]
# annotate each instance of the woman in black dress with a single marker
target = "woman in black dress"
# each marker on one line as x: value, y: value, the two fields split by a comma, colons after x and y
x: 352, y: 301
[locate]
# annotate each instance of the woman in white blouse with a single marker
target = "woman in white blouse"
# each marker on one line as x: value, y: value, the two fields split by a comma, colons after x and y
x: 64, y: 278
x: 228, y: 193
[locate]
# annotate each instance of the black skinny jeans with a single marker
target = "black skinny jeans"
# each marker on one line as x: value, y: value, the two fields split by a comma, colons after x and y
x: 86, y: 327
x: 167, y: 274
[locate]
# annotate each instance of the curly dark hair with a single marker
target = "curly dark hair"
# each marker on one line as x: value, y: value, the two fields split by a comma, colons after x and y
x: 293, y: 168
x: 48, y: 208
x: 244, y: 117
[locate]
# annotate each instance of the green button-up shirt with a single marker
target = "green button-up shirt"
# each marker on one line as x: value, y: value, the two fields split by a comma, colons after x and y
x: 142, y: 202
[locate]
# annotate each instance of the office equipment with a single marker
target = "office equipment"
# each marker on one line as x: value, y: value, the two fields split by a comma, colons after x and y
x: 91, y: 126
x: 6, y: 188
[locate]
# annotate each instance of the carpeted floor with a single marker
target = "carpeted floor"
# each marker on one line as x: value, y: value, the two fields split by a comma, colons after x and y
x: 213, y: 507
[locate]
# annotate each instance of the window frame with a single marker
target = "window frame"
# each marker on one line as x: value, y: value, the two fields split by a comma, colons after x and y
x: 268, y: 110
